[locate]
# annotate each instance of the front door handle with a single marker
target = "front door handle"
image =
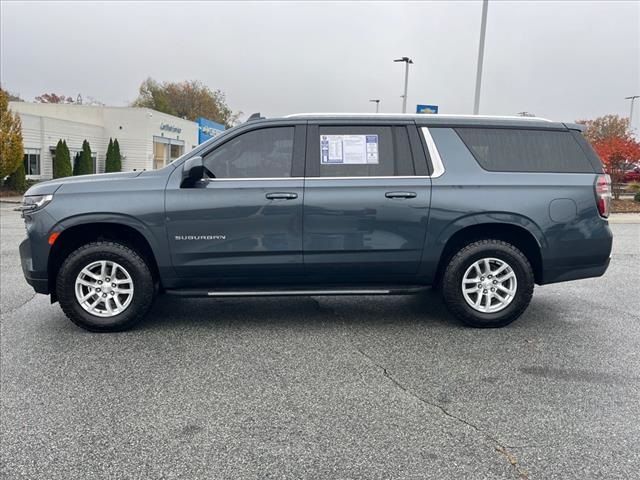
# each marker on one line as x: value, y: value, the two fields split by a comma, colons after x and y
x: 400, y: 195
x: 281, y: 196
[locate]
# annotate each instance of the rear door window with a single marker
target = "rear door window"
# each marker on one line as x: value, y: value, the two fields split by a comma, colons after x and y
x: 522, y: 150
x: 360, y: 151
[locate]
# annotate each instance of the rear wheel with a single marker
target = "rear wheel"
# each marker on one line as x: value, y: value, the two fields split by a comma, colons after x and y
x: 105, y: 287
x: 488, y: 283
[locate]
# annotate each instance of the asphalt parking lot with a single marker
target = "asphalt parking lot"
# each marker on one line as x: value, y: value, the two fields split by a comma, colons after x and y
x: 325, y: 387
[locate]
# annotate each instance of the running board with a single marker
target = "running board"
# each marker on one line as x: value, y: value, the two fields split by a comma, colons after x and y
x: 238, y: 292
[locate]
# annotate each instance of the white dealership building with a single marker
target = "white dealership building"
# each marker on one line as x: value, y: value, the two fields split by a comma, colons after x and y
x: 148, y: 139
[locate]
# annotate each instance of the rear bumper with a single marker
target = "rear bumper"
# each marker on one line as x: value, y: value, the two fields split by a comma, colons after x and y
x: 39, y: 280
x: 565, y: 275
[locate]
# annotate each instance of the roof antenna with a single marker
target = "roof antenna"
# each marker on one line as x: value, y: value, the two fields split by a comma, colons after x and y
x: 255, y: 116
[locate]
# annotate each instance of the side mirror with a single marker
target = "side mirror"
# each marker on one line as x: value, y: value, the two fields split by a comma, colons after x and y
x: 192, y: 171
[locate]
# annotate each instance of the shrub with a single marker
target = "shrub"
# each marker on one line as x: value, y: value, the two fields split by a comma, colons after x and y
x: 636, y: 197
x: 17, y: 181
x: 117, y: 158
x: 113, y: 162
x: 634, y: 186
x: 62, y: 163
x: 83, y: 164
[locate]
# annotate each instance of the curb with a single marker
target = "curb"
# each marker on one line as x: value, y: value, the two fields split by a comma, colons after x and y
x: 628, y: 218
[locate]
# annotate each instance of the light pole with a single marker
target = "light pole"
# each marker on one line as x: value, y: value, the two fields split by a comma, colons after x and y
x: 407, y: 61
x: 483, y: 31
x: 377, y: 102
x: 633, y: 99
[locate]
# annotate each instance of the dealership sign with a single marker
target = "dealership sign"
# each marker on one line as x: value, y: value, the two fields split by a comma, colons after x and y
x: 170, y: 128
x: 426, y: 108
x: 208, y: 129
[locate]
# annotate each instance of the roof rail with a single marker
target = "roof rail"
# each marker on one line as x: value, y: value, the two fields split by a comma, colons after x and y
x: 418, y: 115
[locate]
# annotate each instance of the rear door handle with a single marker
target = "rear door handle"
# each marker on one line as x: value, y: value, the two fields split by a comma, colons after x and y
x: 400, y: 195
x: 281, y: 195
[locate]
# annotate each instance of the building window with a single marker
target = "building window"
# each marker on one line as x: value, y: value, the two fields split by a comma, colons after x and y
x: 32, y: 161
x: 176, y: 151
x: 159, y: 154
x: 166, y: 150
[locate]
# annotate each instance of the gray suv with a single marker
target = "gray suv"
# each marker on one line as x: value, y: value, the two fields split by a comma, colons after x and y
x: 481, y: 208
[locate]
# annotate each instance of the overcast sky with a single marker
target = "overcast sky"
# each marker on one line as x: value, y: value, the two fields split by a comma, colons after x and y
x: 562, y: 60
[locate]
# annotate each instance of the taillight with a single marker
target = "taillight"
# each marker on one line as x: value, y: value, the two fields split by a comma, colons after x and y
x: 603, y: 194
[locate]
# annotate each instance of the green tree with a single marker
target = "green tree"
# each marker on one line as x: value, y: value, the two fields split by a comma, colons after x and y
x: 113, y: 162
x: 117, y: 157
x: 83, y: 164
x: 17, y: 181
x: 108, y: 161
x: 189, y: 99
x: 606, y: 127
x: 11, y: 146
x: 62, y: 163
x: 76, y: 163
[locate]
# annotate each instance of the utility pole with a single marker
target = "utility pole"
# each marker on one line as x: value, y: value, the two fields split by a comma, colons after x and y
x: 483, y: 31
x: 377, y: 102
x: 633, y: 99
x: 407, y: 61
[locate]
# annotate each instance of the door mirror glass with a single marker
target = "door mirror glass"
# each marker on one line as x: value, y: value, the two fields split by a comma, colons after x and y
x: 192, y: 171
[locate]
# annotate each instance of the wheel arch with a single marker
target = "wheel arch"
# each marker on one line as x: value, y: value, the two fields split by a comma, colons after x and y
x: 83, y: 230
x: 523, y: 234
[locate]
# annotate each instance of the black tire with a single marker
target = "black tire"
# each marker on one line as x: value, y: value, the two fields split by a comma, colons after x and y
x: 143, y: 286
x: 461, y: 261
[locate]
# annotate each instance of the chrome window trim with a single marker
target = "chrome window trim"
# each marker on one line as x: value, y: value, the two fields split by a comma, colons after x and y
x: 252, y: 179
x: 401, y: 177
x: 436, y: 160
x: 404, y: 177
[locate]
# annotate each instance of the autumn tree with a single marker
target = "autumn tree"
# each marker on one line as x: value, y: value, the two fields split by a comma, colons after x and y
x: 608, y: 126
x: 62, y: 162
x: 11, y: 146
x: 616, y: 152
x: 189, y: 99
x: 53, y: 98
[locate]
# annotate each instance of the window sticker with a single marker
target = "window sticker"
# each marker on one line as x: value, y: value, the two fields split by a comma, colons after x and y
x: 348, y: 149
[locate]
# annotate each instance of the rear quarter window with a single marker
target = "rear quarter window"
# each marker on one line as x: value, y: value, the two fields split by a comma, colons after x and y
x: 522, y: 150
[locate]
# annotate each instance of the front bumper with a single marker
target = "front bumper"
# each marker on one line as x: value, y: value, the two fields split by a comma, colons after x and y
x: 39, y: 280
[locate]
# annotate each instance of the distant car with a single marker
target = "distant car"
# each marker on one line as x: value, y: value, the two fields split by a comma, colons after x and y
x: 632, y: 175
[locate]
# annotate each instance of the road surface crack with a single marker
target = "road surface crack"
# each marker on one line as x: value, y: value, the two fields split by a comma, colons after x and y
x: 15, y: 309
x: 522, y: 474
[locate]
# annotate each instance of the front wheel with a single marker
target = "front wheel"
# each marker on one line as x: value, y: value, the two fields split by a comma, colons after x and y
x: 105, y: 287
x: 488, y: 283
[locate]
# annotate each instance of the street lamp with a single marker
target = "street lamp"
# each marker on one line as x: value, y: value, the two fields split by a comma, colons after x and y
x: 633, y: 99
x: 483, y: 31
x: 377, y: 102
x: 407, y: 61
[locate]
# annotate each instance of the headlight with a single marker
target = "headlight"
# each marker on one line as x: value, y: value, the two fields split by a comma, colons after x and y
x: 32, y: 203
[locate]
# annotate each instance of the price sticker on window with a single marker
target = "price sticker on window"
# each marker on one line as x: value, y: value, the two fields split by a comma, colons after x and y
x: 349, y: 149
